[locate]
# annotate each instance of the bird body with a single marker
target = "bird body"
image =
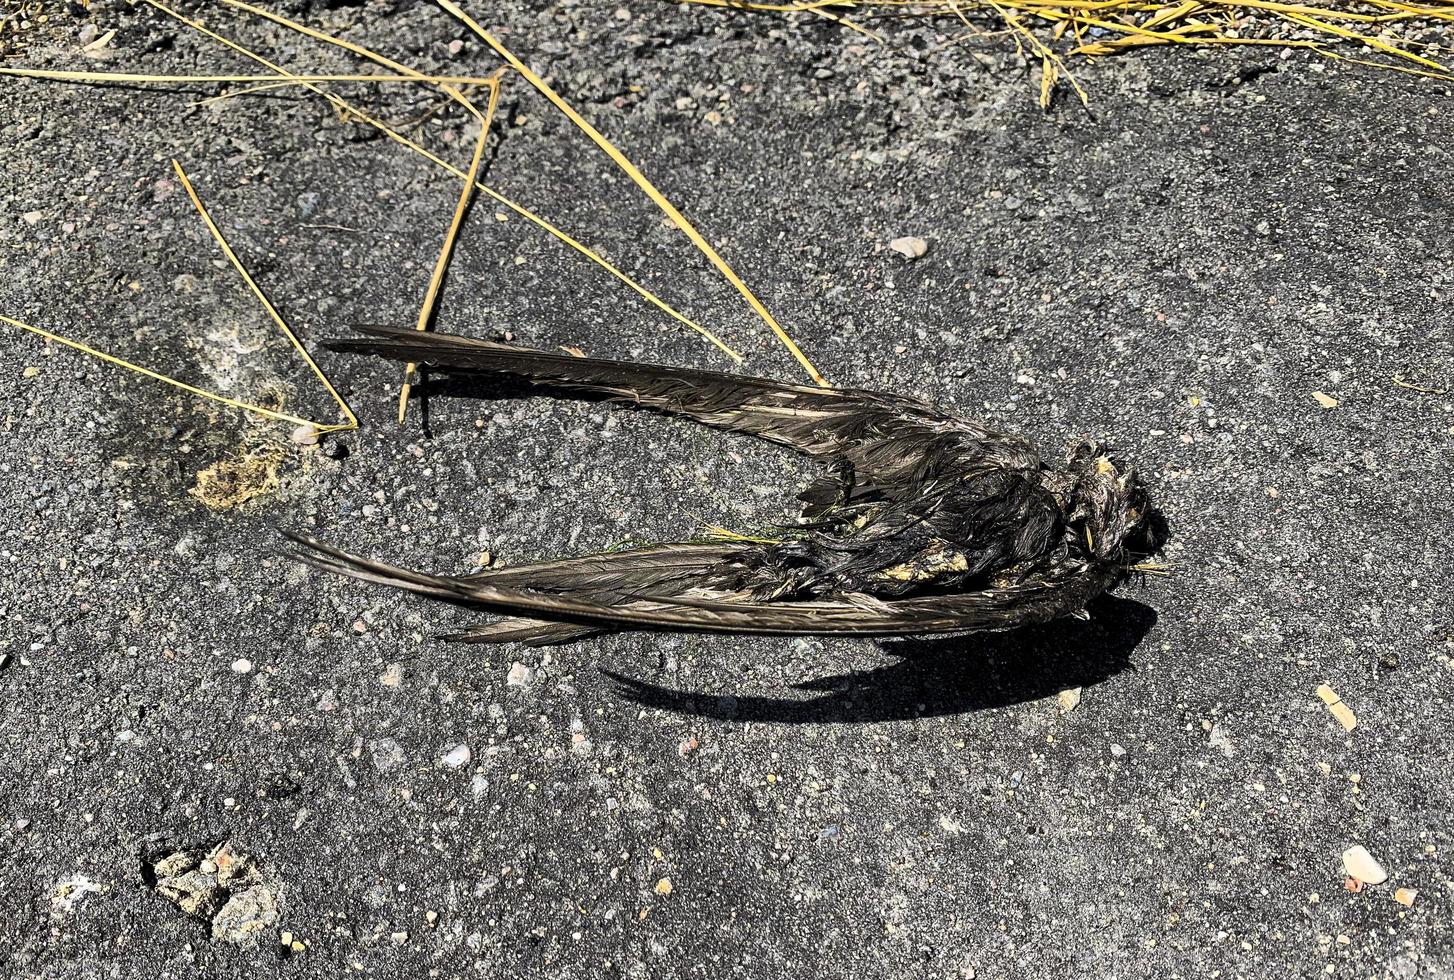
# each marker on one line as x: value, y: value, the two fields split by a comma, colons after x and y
x: 925, y: 521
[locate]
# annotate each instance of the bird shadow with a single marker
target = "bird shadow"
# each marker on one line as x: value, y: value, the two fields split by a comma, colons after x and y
x: 940, y: 675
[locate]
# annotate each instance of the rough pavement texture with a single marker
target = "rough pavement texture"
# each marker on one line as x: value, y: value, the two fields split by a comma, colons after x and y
x: 1177, y: 273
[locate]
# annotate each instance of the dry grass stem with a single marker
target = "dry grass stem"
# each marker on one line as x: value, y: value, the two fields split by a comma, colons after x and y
x: 1058, y: 29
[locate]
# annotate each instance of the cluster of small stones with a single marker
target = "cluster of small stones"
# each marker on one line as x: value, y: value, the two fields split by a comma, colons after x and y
x: 223, y: 886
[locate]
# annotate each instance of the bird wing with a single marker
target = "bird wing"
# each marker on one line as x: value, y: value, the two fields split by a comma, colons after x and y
x: 892, y: 441
x: 1031, y: 601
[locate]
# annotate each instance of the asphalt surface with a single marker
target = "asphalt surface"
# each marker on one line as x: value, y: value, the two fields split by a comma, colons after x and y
x: 1176, y: 272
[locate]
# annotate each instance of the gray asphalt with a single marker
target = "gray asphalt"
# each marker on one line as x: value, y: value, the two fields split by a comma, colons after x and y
x: 1176, y: 272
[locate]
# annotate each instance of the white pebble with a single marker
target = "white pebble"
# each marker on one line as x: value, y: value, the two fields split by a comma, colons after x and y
x: 909, y: 246
x: 1362, y: 865
x: 242, y: 665
x: 456, y: 756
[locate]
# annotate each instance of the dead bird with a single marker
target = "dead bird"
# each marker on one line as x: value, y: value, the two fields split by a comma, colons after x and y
x: 925, y: 522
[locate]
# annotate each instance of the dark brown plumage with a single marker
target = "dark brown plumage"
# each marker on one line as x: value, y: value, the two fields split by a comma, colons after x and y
x: 925, y: 523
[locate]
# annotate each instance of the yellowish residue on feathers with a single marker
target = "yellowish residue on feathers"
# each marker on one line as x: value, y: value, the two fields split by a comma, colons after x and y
x: 934, y: 561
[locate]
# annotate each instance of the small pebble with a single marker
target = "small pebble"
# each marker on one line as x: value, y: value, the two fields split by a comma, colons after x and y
x: 805, y: 646
x: 1327, y: 401
x: 393, y: 676
x: 1406, y: 896
x: 663, y: 887
x: 456, y: 757
x: 305, y: 435
x: 387, y: 754
x: 1118, y: 750
x: 909, y: 247
x: 1362, y: 866
x: 519, y: 675
x: 1069, y: 698
x: 242, y: 665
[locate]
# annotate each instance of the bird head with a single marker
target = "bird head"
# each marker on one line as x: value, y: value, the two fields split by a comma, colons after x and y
x: 1105, y: 507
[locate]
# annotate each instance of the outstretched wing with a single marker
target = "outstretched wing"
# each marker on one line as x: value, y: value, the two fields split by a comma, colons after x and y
x: 1002, y: 608
x: 892, y: 442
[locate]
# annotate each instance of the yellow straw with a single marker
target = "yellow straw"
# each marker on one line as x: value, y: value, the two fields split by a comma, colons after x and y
x: 347, y: 412
x: 524, y: 212
x: 125, y: 78
x: 441, y: 264
x: 431, y: 297
x: 267, y: 305
x: 165, y: 379
x: 640, y: 180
